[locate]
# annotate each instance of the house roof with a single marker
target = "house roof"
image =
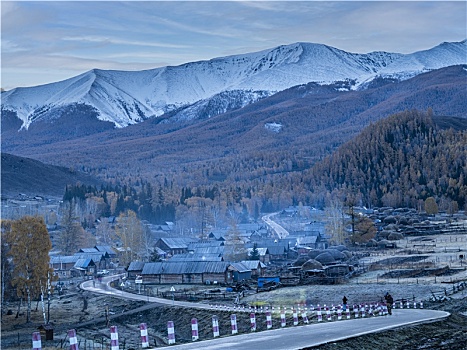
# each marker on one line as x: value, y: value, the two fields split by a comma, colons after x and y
x: 276, y: 250
x: 240, y: 267
x: 197, y: 257
x: 204, y: 244
x: 83, y: 263
x: 178, y: 243
x: 210, y: 250
x: 63, y: 259
x: 307, y: 240
x: 136, y: 266
x: 253, y: 264
x: 97, y: 256
x: 105, y: 248
x: 88, y: 250
x: 177, y: 268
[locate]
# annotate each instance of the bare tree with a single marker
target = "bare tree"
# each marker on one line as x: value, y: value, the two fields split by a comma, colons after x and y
x: 335, y: 226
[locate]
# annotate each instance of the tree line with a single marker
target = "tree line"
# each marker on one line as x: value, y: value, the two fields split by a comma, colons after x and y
x: 399, y: 161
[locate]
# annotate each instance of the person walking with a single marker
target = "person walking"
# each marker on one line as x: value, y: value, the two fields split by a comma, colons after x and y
x: 344, y: 303
x: 389, y: 302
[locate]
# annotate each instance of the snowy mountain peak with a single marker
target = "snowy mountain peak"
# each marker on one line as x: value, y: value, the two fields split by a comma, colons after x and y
x: 206, y: 88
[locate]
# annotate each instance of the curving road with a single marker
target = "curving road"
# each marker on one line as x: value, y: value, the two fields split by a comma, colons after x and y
x: 290, y: 338
x: 280, y: 231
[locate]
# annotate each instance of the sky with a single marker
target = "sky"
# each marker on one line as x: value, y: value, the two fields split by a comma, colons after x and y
x: 49, y: 41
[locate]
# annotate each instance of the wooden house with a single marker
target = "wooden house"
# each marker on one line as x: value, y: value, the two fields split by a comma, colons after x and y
x: 240, y: 271
x: 257, y: 267
x: 84, y: 267
x: 135, y: 269
x: 173, y: 246
x: 186, y: 272
x: 63, y: 264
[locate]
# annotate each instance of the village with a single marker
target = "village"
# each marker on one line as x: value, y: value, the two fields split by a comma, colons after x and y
x: 404, y: 247
x: 420, y: 257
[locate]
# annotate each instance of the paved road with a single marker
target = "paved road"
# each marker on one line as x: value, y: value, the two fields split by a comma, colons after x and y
x: 300, y: 337
x: 280, y: 231
x: 289, y: 338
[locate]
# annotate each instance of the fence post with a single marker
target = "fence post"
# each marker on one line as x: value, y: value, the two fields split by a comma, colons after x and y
x: 144, y: 335
x: 73, y: 339
x: 113, y: 338
x: 194, y: 329
x: 36, y: 341
x: 170, y: 332
x: 215, y: 326
x: 233, y: 323
x: 253, y: 322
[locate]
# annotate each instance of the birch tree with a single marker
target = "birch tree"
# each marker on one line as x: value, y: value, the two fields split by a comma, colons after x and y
x: 131, y: 236
x: 29, y: 250
x: 335, y: 222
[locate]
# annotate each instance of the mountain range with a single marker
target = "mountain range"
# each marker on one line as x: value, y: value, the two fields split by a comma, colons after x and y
x: 207, y: 88
x: 227, y: 137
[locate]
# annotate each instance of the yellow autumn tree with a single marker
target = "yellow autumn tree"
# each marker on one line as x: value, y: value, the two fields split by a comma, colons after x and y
x: 30, y: 245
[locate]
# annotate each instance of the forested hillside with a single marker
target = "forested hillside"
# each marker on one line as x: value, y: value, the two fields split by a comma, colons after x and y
x: 398, y: 161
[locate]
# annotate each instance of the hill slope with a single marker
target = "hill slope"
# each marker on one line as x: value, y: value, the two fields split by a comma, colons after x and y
x: 298, y: 125
x: 31, y: 177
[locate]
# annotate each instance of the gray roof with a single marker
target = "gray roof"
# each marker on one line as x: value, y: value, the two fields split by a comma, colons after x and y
x: 205, y: 244
x: 307, y: 240
x: 177, y: 268
x: 196, y: 257
x: 276, y: 250
x: 97, y: 256
x: 105, y: 248
x: 240, y: 267
x: 88, y: 250
x: 178, y: 243
x: 82, y: 264
x: 136, y: 266
x: 210, y: 250
x: 252, y: 264
x: 64, y: 259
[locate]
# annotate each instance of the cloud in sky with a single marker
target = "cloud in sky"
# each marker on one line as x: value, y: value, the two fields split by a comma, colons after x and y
x: 66, y: 38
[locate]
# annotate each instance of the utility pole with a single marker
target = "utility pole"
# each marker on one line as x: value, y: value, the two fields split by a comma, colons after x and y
x: 49, y: 287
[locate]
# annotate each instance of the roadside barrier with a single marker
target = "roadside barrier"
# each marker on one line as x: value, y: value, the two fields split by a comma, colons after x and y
x: 170, y: 332
x: 360, y: 310
x: 268, y: 320
x: 283, y: 320
x: 144, y: 335
x: 194, y: 329
x: 73, y: 339
x: 295, y: 317
x: 215, y: 326
x: 113, y: 338
x: 304, y: 316
x: 233, y: 323
x: 252, y: 322
x: 36, y: 341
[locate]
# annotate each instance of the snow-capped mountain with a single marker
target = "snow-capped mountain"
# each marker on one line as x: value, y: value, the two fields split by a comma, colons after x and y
x: 207, y: 88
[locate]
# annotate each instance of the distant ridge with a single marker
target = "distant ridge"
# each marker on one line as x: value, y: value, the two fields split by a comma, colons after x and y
x: 31, y: 177
x: 209, y: 88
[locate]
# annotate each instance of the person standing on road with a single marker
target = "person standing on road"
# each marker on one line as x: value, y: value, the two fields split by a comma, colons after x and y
x: 344, y: 303
x: 389, y: 302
